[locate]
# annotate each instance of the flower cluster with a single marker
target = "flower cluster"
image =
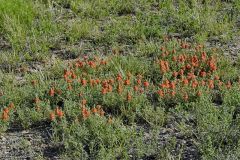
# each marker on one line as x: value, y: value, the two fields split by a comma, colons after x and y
x: 186, y: 72
x: 6, y: 112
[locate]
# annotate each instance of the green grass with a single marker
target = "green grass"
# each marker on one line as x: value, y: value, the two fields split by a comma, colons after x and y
x: 41, y: 39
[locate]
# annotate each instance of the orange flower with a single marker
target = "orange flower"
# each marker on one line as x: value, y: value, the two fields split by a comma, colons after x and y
x: 6, y: 110
x: 199, y: 93
x: 204, y: 56
x: 84, y: 82
x: 191, y: 76
x: 92, y: 64
x: 69, y: 80
x: 51, y: 92
x: 52, y: 116
x: 185, y: 81
x: 97, y: 81
x: 111, y: 81
x: 173, y: 93
x: 195, y: 61
x: 181, y: 58
x: 211, y: 84
x: 184, y: 45
x: 11, y: 105
x: 188, y: 66
x: 139, y: 81
x: 127, y: 82
x: 94, y: 110
x: 146, y: 84
x: 57, y: 110
x: 175, y: 74
x: 203, y: 83
x: 67, y: 72
x: 160, y: 93
x: 85, y: 113
x: 163, y: 85
x: 129, y: 97
x: 194, y: 84
x: 73, y: 75
x: 79, y: 64
x: 181, y: 72
x: 92, y: 82
x: 173, y: 85
x: 203, y: 74
x: 60, y: 114
x: 136, y: 88
x: 164, y: 66
x: 174, y: 58
x: 166, y: 85
x: 103, y: 62
x: 119, y: 77
x: 5, y: 116
x: 105, y: 84
x: 66, y: 79
x: 104, y: 91
x: 212, y: 64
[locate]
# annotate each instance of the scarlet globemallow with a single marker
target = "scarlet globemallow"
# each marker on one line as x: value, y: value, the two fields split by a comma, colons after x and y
x: 94, y: 110
x: 60, y: 114
x: 11, y: 105
x: 5, y: 116
x: 136, y: 88
x: 146, y: 84
x: 127, y: 82
x: 160, y: 93
x: 129, y: 96
x: 6, y: 110
x: 52, y: 116
x: 51, y: 92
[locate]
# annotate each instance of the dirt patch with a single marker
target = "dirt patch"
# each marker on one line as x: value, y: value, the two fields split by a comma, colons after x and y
x: 171, y: 139
x: 28, y: 144
x: 4, y: 45
x: 232, y: 49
